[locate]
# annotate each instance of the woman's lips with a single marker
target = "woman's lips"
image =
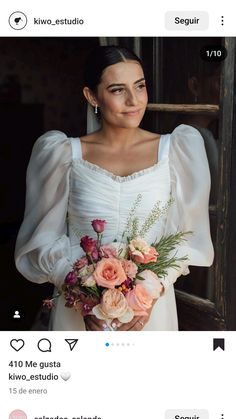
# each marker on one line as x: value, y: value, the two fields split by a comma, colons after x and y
x: 131, y: 113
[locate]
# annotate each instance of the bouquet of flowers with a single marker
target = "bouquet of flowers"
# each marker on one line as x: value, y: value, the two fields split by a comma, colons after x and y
x: 120, y: 280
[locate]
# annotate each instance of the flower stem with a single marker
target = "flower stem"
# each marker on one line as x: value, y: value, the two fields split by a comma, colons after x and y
x: 91, y: 259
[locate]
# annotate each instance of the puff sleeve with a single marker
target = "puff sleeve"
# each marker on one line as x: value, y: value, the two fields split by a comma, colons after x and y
x: 42, y: 250
x: 190, y: 189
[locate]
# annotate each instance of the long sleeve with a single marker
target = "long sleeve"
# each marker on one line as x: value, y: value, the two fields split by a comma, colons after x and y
x: 42, y: 250
x: 190, y: 188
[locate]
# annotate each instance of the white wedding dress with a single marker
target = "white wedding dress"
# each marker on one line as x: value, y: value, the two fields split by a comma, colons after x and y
x: 65, y: 193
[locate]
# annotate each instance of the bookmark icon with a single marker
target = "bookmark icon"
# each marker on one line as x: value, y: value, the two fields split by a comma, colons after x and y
x: 218, y: 343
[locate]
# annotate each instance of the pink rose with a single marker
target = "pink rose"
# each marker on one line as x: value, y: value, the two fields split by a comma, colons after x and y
x: 98, y: 225
x: 139, y: 300
x: 150, y: 282
x: 109, y: 273
x: 80, y: 263
x: 113, y: 305
x: 130, y: 268
x: 88, y: 244
x: 107, y: 251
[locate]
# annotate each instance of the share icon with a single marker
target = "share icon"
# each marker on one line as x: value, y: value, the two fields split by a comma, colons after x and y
x: 71, y: 343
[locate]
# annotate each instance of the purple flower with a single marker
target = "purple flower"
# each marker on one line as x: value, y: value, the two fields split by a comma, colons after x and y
x: 88, y: 244
x: 71, y: 278
x: 95, y: 255
x: 129, y: 283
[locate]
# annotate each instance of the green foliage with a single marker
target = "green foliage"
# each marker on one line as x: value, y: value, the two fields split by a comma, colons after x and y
x: 164, y: 247
x: 132, y: 229
x: 131, y: 225
x: 156, y: 212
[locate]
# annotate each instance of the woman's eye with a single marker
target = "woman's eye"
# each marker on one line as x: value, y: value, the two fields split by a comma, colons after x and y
x: 118, y: 90
x: 121, y: 90
x: 141, y: 86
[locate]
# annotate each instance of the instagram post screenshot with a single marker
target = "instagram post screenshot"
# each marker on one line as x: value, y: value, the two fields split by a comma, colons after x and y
x: 118, y: 199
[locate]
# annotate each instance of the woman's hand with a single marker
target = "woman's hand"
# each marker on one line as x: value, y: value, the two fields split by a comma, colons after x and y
x: 96, y: 325
x: 136, y: 324
x: 93, y: 324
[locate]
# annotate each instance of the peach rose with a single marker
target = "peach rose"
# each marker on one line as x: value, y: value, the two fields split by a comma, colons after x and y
x: 138, y: 246
x: 141, y: 252
x: 109, y: 273
x: 150, y: 282
x: 139, y: 300
x: 130, y: 268
x: 151, y: 256
x: 113, y: 305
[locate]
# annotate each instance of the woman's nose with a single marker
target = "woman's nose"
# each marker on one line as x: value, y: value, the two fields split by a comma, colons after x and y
x: 131, y: 98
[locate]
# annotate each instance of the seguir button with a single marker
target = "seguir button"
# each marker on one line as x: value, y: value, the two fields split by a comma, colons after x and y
x: 186, y: 414
x: 175, y: 21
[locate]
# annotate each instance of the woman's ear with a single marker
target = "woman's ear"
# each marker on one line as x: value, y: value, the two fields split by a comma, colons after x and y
x: 90, y: 97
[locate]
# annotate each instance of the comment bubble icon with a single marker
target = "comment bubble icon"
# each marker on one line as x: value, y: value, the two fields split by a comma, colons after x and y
x: 44, y: 345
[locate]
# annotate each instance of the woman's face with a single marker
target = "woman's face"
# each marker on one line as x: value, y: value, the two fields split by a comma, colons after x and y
x: 122, y: 95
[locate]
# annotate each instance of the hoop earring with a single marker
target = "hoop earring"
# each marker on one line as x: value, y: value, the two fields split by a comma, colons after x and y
x: 96, y: 109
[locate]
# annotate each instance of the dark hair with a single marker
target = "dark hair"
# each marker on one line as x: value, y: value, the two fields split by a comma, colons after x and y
x: 100, y: 58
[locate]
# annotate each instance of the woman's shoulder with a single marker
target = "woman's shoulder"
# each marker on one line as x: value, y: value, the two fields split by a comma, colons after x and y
x: 186, y: 133
x: 142, y: 134
x: 52, y: 136
x: 186, y: 140
x: 187, y: 148
x: 90, y: 138
x: 52, y: 143
x: 149, y: 135
x: 51, y: 139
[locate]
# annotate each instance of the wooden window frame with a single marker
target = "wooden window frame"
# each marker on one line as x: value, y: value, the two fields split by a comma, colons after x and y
x: 197, y: 313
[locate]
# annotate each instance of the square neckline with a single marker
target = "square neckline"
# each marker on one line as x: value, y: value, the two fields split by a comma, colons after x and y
x: 77, y: 151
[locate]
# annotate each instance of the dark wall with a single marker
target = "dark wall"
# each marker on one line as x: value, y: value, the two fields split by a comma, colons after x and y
x: 41, y: 81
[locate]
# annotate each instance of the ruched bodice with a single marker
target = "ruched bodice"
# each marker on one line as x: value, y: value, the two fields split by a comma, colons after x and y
x: 65, y: 193
x: 99, y: 194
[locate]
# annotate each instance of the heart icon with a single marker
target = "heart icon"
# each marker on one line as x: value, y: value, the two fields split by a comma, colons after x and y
x: 65, y: 375
x: 17, y: 344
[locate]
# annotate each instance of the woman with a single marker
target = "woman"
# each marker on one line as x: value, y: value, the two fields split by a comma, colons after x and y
x: 71, y: 181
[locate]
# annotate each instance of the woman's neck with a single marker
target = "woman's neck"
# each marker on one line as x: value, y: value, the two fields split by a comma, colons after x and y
x: 117, y: 137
